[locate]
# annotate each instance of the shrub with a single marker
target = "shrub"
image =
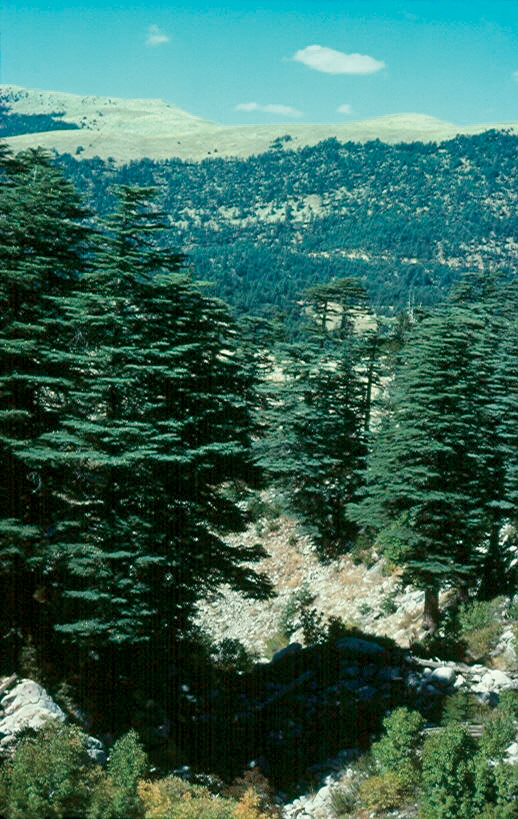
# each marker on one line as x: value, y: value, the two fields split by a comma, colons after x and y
x: 388, y: 605
x: 508, y: 702
x: 498, y: 734
x: 231, y: 655
x: 313, y: 627
x: 50, y: 775
x: 397, y: 751
x: 173, y: 798
x: 248, y: 806
x: 475, y: 615
x: 506, y: 790
x: 289, y: 619
x: 343, y: 799
x: 490, y: 789
x: 491, y: 811
x: 480, y: 643
x: 383, y: 792
x: 479, y: 626
x: 126, y: 765
x: 4, y: 787
x: 336, y: 629
x: 253, y: 781
x: 462, y: 706
x: 448, y: 776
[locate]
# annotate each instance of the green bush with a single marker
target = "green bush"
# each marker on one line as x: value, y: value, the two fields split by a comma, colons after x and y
x: 498, y: 734
x: 501, y: 790
x: 480, y: 643
x: 231, y: 655
x: 383, y: 792
x: 506, y: 790
x: 475, y: 615
x: 491, y: 811
x: 398, y: 750
x: 313, y: 627
x: 462, y: 706
x: 388, y: 604
x: 508, y: 702
x: 126, y: 766
x: 289, y: 619
x: 50, y: 775
x: 448, y: 775
x: 5, y: 777
x: 173, y: 798
x: 480, y: 625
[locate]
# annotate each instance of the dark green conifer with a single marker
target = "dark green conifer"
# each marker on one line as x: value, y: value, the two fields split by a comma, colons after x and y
x: 158, y: 425
x: 43, y: 245
x: 317, y: 443
x: 438, y: 481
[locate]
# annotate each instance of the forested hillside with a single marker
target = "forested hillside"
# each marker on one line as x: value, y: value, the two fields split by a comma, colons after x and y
x: 140, y: 416
x: 407, y: 220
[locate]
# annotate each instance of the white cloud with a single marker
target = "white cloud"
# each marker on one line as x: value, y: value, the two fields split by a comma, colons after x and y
x: 156, y: 37
x: 344, y: 109
x: 270, y: 108
x: 330, y: 61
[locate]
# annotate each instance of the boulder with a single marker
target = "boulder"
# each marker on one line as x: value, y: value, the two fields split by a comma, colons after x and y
x: 355, y: 645
x: 512, y: 753
x: 95, y: 750
x: 27, y: 705
x: 497, y: 680
x: 442, y: 677
x: 293, y: 648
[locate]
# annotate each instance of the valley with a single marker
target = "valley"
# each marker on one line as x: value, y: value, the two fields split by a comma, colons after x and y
x: 259, y: 464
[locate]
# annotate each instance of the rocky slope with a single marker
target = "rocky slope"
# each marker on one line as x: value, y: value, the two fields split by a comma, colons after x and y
x: 361, y: 590
x: 370, y: 598
x: 134, y: 129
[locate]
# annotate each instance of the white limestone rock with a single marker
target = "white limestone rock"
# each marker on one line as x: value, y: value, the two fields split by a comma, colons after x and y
x: 27, y: 705
x: 443, y: 677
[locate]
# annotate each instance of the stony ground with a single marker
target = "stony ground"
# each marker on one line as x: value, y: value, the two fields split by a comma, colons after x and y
x: 371, y: 598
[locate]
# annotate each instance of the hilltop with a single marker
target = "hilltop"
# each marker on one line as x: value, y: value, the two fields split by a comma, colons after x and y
x: 132, y: 129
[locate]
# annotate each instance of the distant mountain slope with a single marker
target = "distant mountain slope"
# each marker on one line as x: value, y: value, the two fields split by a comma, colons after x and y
x: 126, y: 130
x: 406, y: 219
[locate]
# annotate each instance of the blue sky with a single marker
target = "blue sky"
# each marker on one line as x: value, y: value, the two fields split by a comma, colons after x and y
x: 309, y: 61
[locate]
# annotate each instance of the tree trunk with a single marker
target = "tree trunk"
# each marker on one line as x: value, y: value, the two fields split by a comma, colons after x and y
x: 370, y: 381
x: 494, y: 580
x: 431, y: 611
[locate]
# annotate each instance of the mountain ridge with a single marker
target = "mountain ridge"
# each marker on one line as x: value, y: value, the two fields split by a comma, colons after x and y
x: 132, y: 129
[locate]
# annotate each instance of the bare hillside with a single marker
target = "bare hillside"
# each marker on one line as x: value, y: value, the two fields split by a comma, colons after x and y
x: 126, y: 130
x: 370, y: 598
